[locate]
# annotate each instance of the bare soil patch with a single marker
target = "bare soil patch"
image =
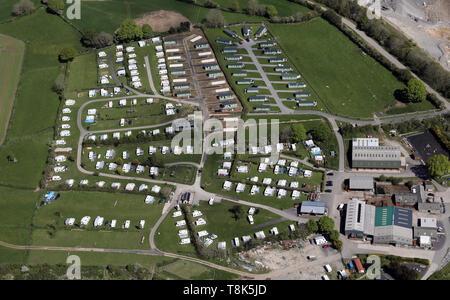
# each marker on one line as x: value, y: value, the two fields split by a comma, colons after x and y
x: 161, y: 20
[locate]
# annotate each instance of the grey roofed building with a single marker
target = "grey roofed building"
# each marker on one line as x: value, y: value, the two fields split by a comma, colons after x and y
x: 361, y: 183
x: 431, y: 207
x: 309, y: 207
x: 381, y: 157
x: 360, y: 218
x: 393, y: 225
x: 422, y: 231
x: 417, y: 195
x: 392, y: 234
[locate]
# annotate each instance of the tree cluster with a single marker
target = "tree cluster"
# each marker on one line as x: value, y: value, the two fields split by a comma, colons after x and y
x: 23, y: 7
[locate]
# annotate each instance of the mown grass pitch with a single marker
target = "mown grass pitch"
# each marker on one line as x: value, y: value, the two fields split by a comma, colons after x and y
x: 350, y: 82
x: 11, y: 56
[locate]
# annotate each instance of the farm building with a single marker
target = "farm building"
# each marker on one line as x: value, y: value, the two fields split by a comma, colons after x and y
x: 313, y: 208
x: 361, y: 183
x: 376, y: 157
x: 359, y: 220
x: 393, y: 225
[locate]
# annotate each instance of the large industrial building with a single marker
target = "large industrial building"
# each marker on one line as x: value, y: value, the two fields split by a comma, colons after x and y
x: 385, y: 225
x: 368, y: 154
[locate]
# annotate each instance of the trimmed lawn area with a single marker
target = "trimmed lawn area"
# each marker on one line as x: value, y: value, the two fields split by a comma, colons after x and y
x: 11, y: 55
x: 36, y: 102
x: 50, y: 229
x: 82, y: 73
x: 31, y: 154
x: 16, y: 211
x: 351, y: 82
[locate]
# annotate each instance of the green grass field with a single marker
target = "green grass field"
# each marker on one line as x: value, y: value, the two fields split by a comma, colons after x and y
x: 108, y: 15
x: 11, y: 55
x: 82, y: 73
x: 49, y: 228
x: 349, y: 81
x: 15, y: 227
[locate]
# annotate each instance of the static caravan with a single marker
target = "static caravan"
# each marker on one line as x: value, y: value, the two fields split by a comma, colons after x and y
x: 235, y: 66
x: 229, y: 50
x: 218, y: 82
x: 303, y: 103
x: 181, y: 86
x: 267, y: 44
x: 262, y: 108
x: 233, y: 57
x: 178, y: 72
x: 283, y: 69
x: 184, y: 94
x: 295, y: 85
x: 245, y: 81
x: 209, y: 67
x: 271, y: 51
x: 204, y: 53
x: 239, y: 74
x: 289, y: 76
x: 215, y: 74
x: 208, y: 60
x: 198, y: 37
x: 224, y: 41
x: 229, y: 104
x: 302, y: 94
x: 260, y: 32
x: 276, y: 60
x: 231, y: 33
x: 170, y: 42
x: 201, y: 46
x: 225, y: 96
x: 222, y: 90
x: 259, y: 98
x: 252, y: 90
